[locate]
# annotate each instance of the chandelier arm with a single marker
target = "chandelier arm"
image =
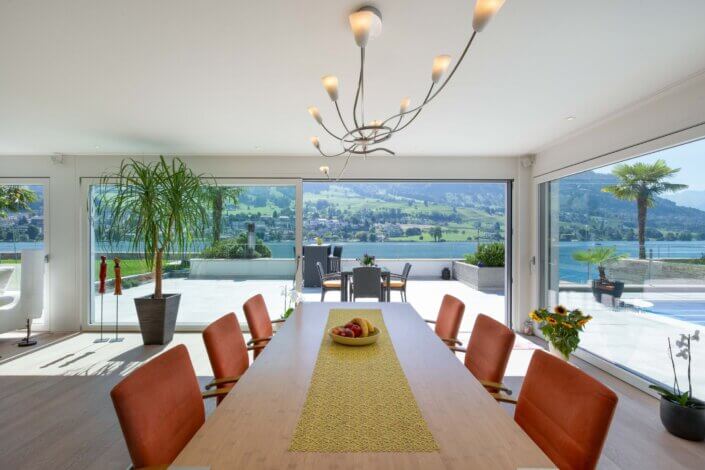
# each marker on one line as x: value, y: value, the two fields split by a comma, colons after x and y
x: 328, y: 131
x: 379, y: 149
x: 397, y: 128
x: 359, y: 84
x: 340, y: 175
x: 331, y: 155
x: 445, y: 82
x: 460, y: 60
x: 337, y: 108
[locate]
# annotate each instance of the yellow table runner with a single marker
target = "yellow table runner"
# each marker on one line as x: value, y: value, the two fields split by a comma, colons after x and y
x: 359, y: 399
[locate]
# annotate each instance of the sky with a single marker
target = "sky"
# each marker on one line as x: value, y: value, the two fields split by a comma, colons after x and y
x: 690, y: 158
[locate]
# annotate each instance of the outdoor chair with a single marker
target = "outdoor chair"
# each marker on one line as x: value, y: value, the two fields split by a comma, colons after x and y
x: 328, y: 281
x: 397, y: 282
x: 334, y: 259
x: 367, y: 282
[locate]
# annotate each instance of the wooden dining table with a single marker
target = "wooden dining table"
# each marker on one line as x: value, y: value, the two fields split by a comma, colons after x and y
x: 253, y: 426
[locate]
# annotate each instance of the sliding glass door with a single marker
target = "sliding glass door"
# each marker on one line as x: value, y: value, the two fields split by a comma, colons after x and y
x: 456, y: 229
x: 23, y: 226
x: 249, y: 248
x: 626, y: 244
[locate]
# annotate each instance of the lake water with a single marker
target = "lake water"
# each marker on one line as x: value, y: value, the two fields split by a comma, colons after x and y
x: 570, y: 270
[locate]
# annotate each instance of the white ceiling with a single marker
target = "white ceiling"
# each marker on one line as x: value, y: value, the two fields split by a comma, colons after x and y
x: 233, y: 77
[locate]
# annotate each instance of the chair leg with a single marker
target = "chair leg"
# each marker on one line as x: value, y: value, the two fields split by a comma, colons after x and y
x: 323, y: 294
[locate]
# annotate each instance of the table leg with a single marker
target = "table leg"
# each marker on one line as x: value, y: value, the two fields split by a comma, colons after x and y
x: 343, y: 287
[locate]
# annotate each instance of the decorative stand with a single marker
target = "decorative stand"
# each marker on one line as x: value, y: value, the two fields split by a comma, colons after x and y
x: 117, y: 293
x: 101, y: 290
x: 27, y: 341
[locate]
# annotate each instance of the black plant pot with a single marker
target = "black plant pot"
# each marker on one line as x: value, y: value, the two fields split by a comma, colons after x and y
x: 681, y: 421
x: 157, y: 317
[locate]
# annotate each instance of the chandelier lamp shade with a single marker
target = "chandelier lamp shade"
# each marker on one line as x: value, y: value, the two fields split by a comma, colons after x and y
x: 360, y: 137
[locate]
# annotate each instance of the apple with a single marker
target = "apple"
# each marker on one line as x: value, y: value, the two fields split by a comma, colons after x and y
x: 349, y: 325
x: 348, y: 333
x: 337, y: 331
x: 357, y: 330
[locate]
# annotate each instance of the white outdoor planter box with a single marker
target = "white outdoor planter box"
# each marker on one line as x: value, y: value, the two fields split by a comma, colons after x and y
x: 478, y: 278
x: 257, y: 268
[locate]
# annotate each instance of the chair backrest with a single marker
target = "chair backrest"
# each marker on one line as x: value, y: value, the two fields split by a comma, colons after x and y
x: 367, y: 282
x: 406, y: 271
x: 337, y: 251
x: 449, y: 317
x: 159, y: 407
x: 489, y: 349
x: 258, y: 320
x: 226, y: 348
x: 319, y: 268
x: 566, y: 412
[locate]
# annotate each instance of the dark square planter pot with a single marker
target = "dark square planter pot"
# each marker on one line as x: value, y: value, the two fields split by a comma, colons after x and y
x: 157, y: 317
x: 687, y: 423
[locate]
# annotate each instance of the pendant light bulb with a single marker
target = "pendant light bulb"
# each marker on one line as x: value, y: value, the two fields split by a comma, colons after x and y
x: 484, y: 11
x: 440, y: 65
x: 330, y: 83
x: 404, y: 104
x: 315, y: 142
x: 365, y: 23
x: 315, y: 114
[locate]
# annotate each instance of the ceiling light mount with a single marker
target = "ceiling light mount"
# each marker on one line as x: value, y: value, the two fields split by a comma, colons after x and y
x: 361, y: 137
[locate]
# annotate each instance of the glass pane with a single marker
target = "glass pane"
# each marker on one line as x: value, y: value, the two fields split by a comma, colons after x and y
x: 249, y: 249
x: 21, y: 228
x: 640, y: 293
x: 433, y: 226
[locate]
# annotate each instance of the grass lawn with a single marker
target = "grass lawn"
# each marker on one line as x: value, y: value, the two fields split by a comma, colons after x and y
x: 128, y: 267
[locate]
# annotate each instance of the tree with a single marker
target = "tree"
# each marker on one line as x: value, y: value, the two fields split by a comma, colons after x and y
x: 642, y: 182
x: 218, y: 195
x: 436, y: 233
x: 15, y: 198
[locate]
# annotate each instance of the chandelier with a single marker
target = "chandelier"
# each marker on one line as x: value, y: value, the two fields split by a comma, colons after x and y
x: 361, y: 137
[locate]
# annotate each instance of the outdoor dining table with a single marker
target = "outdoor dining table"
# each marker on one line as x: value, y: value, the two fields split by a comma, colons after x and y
x: 262, y: 423
x: 346, y: 275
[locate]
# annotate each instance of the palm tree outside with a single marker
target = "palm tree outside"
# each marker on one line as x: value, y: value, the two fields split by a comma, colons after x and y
x: 218, y: 195
x: 642, y: 182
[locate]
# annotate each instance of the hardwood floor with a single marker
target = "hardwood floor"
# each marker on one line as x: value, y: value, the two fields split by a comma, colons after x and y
x: 55, y: 411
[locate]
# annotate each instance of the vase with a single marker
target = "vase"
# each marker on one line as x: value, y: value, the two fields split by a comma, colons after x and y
x: 686, y: 423
x: 556, y: 352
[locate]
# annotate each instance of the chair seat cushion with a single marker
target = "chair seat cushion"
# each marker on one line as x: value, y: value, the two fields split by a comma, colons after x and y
x: 396, y: 284
x: 332, y: 284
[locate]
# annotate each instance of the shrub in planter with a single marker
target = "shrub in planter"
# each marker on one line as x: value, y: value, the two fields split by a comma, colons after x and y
x: 489, y: 255
x: 236, y: 248
x: 682, y: 414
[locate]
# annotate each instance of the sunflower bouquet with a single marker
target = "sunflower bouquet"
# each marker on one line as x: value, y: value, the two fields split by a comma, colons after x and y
x: 561, y: 327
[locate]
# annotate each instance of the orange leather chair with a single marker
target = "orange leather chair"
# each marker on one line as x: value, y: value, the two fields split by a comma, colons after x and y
x: 566, y: 412
x: 159, y: 408
x: 448, y: 322
x: 488, y: 352
x: 258, y: 322
x: 227, y: 351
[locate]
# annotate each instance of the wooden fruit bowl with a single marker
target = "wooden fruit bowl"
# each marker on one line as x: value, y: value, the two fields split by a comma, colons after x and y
x: 366, y: 341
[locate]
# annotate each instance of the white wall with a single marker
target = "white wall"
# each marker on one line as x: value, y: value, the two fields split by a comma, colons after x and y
x: 67, y: 204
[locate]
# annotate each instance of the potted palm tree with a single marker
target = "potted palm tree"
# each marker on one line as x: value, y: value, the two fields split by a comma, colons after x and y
x: 601, y: 256
x: 163, y: 208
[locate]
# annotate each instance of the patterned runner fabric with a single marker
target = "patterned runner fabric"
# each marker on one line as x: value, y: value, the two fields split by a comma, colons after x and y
x: 359, y: 399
